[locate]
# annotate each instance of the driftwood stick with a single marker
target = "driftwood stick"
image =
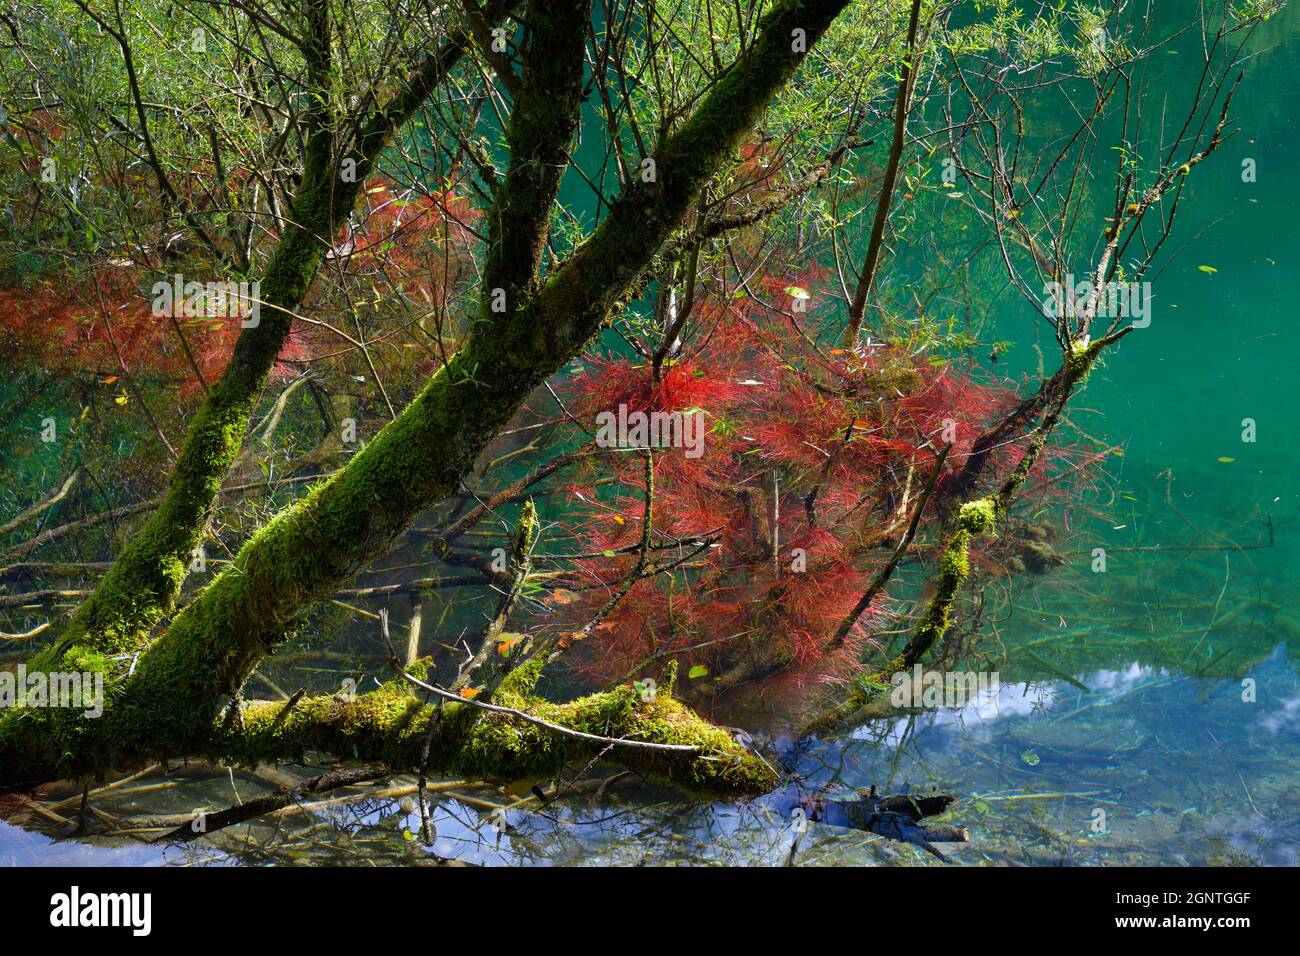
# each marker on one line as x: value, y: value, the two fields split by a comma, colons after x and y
x: 274, y: 801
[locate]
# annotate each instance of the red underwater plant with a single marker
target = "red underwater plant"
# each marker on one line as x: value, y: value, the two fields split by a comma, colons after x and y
x: 768, y: 520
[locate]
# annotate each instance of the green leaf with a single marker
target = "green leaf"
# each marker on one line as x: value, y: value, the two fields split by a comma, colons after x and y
x: 698, y: 671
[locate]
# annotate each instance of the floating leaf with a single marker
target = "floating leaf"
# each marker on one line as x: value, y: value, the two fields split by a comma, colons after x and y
x: 1030, y: 758
x: 1224, y: 459
x: 568, y: 640
x: 609, y: 554
x: 469, y: 693
x: 1208, y: 270
x: 121, y: 399
x: 797, y: 292
x: 698, y: 671
x: 507, y: 641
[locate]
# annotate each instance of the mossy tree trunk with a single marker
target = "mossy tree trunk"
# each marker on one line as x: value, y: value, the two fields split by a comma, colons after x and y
x: 140, y: 590
x: 169, y: 703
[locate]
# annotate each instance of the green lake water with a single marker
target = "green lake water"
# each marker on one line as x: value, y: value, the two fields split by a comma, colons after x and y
x: 1156, y: 751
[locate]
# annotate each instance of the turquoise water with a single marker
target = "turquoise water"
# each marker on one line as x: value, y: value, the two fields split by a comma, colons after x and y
x: 1181, y: 746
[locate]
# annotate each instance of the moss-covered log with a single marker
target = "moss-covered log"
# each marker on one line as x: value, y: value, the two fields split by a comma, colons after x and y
x: 390, y: 726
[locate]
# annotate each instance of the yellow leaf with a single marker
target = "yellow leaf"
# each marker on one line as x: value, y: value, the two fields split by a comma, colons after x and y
x: 108, y: 380
x: 1225, y: 459
x: 121, y: 399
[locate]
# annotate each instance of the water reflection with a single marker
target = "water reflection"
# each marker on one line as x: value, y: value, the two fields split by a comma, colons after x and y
x: 1143, y: 767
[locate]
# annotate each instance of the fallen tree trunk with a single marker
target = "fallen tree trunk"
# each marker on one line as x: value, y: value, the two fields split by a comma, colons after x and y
x: 391, y: 726
x: 162, y: 697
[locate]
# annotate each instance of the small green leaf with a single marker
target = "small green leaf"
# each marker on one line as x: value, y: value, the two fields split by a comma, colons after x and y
x: 609, y: 554
x: 698, y: 671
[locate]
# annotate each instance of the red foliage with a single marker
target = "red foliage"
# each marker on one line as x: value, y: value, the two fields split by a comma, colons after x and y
x: 414, y: 241
x: 846, y: 439
x: 101, y: 320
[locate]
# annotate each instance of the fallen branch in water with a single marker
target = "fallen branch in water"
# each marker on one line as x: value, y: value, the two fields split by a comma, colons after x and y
x: 211, y: 823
